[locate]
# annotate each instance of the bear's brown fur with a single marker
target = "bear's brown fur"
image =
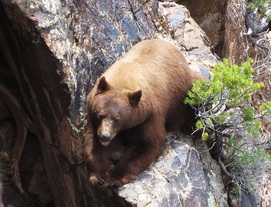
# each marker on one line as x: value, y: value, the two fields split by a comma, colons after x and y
x: 134, y: 103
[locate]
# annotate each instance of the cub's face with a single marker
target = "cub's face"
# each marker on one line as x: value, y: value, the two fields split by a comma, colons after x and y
x: 111, y: 116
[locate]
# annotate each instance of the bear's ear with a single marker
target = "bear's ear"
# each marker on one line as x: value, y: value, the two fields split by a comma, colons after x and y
x: 134, y: 97
x: 103, y: 85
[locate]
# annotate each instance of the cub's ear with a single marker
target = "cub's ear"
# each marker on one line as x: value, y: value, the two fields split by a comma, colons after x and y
x: 103, y: 85
x: 134, y: 97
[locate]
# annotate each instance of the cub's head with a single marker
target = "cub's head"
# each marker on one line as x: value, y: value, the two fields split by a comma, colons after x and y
x: 111, y: 111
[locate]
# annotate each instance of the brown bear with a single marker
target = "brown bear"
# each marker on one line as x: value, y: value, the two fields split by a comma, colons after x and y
x: 130, y: 108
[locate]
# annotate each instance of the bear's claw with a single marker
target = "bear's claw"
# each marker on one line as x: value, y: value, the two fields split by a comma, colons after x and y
x: 111, y: 182
x: 114, y: 182
x: 96, y: 179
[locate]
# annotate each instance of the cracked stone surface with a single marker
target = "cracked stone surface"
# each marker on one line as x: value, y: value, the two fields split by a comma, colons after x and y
x: 178, y: 178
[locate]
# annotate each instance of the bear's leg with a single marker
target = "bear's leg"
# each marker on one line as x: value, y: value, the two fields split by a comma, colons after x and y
x: 96, y: 158
x: 99, y: 165
x: 149, y: 141
x: 100, y: 159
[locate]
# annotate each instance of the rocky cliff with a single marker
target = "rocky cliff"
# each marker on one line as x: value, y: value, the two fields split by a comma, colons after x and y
x: 51, y: 54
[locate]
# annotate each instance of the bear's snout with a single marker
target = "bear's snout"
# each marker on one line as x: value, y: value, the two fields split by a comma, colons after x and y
x: 106, y: 132
x: 105, y: 139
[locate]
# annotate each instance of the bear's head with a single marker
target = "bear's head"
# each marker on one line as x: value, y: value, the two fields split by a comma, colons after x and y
x: 112, y: 110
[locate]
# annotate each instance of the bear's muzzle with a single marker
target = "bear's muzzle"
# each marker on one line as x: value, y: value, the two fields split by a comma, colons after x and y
x: 105, y: 139
x: 106, y: 133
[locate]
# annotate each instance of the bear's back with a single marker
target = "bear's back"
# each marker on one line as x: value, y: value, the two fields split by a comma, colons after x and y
x: 156, y: 67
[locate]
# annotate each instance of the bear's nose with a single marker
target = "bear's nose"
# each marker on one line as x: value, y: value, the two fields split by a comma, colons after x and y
x: 105, y: 136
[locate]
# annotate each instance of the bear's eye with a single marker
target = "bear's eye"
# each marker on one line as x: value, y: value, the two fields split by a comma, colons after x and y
x: 101, y: 116
x: 116, y: 120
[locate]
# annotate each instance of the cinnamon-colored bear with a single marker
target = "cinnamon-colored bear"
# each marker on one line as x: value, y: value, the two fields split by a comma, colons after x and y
x: 130, y: 108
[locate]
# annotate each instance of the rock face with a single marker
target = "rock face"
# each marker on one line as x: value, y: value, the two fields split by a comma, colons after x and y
x: 188, y: 36
x: 235, y: 45
x: 237, y: 49
x: 210, y: 15
x: 180, y: 177
x: 53, y: 52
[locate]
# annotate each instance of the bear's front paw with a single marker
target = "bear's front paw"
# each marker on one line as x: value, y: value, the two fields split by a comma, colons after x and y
x: 114, y: 182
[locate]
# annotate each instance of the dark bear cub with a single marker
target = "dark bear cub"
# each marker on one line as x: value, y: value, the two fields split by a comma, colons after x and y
x: 130, y: 108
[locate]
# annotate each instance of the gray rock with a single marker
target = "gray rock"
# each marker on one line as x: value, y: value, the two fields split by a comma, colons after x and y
x: 178, y: 178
